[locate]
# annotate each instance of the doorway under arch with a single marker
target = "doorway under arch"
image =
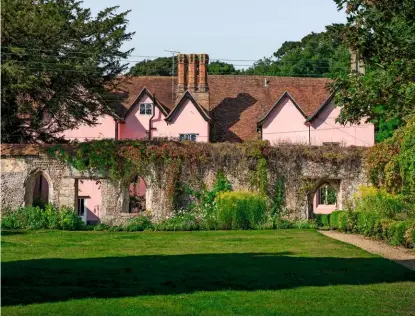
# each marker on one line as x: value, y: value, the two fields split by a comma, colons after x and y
x: 325, y: 199
x: 38, y: 189
x: 137, y: 195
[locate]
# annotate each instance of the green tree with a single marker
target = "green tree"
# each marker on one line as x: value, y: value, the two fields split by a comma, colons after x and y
x: 221, y: 68
x: 58, y: 65
x: 317, y: 54
x: 161, y: 66
x: 382, y: 32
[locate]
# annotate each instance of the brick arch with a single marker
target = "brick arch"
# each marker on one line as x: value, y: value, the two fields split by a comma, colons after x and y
x: 29, y: 186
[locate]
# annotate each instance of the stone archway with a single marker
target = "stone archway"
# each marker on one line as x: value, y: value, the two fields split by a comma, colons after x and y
x: 38, y: 189
x: 324, y: 197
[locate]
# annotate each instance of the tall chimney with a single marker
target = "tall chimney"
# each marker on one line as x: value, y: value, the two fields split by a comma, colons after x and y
x: 181, y: 72
x: 191, y: 72
x: 203, y: 72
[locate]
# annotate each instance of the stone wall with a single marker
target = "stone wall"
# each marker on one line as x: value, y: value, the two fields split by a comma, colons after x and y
x: 303, y: 170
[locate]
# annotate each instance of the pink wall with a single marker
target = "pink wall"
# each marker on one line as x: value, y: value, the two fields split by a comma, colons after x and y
x: 105, y: 129
x: 92, y: 191
x: 325, y: 129
x: 322, y: 209
x: 187, y: 120
x: 136, y: 124
x: 285, y: 124
x: 140, y: 188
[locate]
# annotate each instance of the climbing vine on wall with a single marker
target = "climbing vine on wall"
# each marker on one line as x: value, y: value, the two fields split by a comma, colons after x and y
x: 119, y: 160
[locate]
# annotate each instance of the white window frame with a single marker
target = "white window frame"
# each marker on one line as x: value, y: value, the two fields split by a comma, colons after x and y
x: 145, y: 106
x: 188, y: 137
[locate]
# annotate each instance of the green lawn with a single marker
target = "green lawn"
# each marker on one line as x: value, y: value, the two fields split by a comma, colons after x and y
x: 281, y: 272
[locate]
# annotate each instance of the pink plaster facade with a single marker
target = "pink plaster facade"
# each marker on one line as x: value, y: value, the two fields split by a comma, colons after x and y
x: 285, y: 124
x: 104, y: 129
x: 325, y: 129
x: 187, y: 120
x: 90, y: 190
x: 136, y: 125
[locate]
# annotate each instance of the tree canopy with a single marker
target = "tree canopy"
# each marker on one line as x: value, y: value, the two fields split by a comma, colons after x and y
x: 382, y: 32
x: 161, y: 66
x: 58, y: 65
x: 221, y: 68
x: 317, y: 54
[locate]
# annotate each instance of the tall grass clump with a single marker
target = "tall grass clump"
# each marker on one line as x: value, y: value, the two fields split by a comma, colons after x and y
x: 241, y: 210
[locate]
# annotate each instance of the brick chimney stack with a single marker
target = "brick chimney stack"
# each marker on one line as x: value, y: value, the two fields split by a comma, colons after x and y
x: 191, y: 85
x: 203, y: 73
x: 193, y: 77
x: 181, y: 73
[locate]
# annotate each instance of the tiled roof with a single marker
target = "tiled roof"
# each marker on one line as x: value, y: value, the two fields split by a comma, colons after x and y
x: 237, y: 103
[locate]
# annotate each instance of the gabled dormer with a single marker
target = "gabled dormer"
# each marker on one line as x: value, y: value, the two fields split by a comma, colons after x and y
x: 284, y: 122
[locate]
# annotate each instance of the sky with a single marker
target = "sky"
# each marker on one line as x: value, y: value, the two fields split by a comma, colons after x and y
x: 236, y: 30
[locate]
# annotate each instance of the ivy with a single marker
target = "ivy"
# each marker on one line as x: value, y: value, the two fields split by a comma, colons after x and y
x: 279, y: 196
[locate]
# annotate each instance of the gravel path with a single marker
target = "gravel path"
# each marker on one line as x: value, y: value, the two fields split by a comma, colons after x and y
x: 401, y: 255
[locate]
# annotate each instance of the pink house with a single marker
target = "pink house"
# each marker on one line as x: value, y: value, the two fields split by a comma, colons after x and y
x: 196, y: 106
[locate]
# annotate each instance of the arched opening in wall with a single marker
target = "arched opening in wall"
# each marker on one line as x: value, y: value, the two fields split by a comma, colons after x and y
x: 325, y: 199
x: 137, y: 195
x: 40, y: 196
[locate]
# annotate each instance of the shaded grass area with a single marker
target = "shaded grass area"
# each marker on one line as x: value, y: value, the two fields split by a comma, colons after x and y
x: 225, y: 272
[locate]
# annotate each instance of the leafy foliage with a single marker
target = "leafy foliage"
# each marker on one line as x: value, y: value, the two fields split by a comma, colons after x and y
x: 370, y: 199
x: 317, y: 54
x: 390, y: 165
x: 383, y: 34
x: 241, y: 210
x: 35, y: 218
x: 222, y: 68
x: 395, y: 232
x: 279, y: 197
x: 138, y: 223
x: 58, y: 65
x: 161, y: 66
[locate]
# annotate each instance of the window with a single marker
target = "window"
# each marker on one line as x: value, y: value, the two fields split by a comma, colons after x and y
x: 327, y: 195
x: 331, y: 143
x: 146, y: 108
x: 188, y: 137
x: 81, y: 207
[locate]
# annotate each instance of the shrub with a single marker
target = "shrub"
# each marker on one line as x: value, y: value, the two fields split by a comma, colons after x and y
x: 101, y: 227
x: 139, y: 223
x: 69, y: 220
x: 399, y: 233
x: 280, y: 223
x: 347, y: 221
x: 180, y: 222
x: 333, y: 219
x: 35, y: 218
x: 368, y: 223
x: 322, y: 220
x: 241, y: 210
x: 371, y: 199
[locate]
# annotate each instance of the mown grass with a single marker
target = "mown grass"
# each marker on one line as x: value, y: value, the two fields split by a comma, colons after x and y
x: 282, y: 272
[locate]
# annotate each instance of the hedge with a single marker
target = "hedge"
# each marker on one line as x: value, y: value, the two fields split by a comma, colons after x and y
x: 395, y: 232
